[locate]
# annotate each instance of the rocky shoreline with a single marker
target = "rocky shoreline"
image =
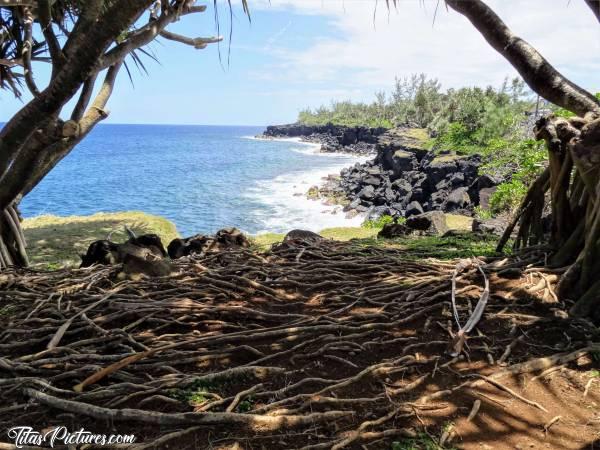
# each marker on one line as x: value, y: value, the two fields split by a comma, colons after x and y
x: 333, y: 138
x: 403, y: 179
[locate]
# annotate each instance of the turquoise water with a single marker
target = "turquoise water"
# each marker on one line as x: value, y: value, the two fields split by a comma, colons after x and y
x: 203, y: 178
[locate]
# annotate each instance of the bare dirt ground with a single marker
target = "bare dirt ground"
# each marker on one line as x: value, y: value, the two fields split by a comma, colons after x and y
x: 336, y: 346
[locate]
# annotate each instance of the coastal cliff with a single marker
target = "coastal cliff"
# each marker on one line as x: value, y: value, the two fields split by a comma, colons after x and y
x: 403, y: 179
x: 333, y: 138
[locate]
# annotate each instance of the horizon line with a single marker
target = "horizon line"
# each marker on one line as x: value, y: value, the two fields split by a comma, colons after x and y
x: 174, y: 124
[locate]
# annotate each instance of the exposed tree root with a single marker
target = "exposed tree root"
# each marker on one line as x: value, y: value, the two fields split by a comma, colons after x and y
x: 246, y: 345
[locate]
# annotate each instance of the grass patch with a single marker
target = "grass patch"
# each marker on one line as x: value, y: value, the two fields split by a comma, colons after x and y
x: 380, y: 222
x: 347, y: 233
x: 195, y: 393
x: 420, y: 134
x: 55, y: 242
x: 458, y: 222
x: 421, y: 442
x: 7, y: 310
x: 264, y: 240
x: 452, y: 247
x: 440, y: 159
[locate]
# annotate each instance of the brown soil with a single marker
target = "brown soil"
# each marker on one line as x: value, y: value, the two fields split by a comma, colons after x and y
x: 339, y: 346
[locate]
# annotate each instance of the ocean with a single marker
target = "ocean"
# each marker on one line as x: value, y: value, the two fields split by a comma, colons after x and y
x: 203, y: 178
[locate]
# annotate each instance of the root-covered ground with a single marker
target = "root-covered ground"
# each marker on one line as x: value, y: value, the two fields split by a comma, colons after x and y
x: 335, y: 346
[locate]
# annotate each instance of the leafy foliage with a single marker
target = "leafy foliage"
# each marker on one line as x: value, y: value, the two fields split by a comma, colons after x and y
x: 517, y: 161
x: 380, y: 221
x: 561, y: 112
x: 492, y: 122
x: 421, y: 102
x: 348, y: 114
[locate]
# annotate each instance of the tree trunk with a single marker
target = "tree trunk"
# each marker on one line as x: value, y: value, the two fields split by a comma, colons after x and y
x: 573, y: 179
x: 12, y: 240
x: 537, y: 72
x: 573, y: 174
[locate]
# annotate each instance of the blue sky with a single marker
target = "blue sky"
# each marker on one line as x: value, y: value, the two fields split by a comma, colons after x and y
x: 299, y: 53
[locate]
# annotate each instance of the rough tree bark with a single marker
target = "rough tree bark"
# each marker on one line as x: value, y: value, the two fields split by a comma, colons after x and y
x: 572, y: 178
x: 537, y: 72
x: 36, y: 138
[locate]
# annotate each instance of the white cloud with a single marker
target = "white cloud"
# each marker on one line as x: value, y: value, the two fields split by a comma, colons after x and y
x: 369, y: 52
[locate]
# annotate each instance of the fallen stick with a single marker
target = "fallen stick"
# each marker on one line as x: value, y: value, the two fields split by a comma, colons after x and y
x: 474, y: 410
x: 459, y: 340
x: 551, y: 422
x: 511, y: 392
x: 65, y: 326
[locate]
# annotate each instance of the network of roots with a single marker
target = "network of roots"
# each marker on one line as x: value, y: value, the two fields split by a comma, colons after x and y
x: 327, y: 346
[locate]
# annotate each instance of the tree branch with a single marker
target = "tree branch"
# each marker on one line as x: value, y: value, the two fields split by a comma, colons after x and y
x: 48, y: 157
x: 45, y: 17
x: 84, y: 97
x: 595, y: 7
x: 147, y: 34
x: 96, y: 112
x: 26, y: 52
x: 538, y: 73
x: 85, y: 53
x: 197, y: 43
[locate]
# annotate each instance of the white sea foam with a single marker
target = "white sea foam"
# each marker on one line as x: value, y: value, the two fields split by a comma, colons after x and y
x: 285, y: 205
x: 316, y: 147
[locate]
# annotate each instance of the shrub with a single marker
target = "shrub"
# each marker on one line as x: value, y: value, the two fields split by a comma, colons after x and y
x: 379, y: 222
x: 482, y: 213
x: 508, y: 196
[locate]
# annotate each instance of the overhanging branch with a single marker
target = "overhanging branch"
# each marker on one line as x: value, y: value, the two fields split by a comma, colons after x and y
x: 537, y: 72
x: 146, y: 34
x: 197, y: 43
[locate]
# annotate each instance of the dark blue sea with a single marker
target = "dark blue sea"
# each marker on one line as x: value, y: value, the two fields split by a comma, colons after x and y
x: 202, y: 178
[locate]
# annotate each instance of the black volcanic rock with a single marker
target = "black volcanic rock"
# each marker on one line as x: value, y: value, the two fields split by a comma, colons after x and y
x: 404, y: 172
x: 392, y: 230
x: 432, y: 222
x: 414, y: 208
x: 333, y: 138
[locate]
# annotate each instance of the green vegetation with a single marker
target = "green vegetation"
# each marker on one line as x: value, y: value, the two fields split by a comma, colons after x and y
x: 482, y: 213
x: 450, y: 247
x: 8, y: 310
x: 422, y: 442
x: 196, y: 393
x: 470, y: 115
x: 246, y: 405
x: 380, y: 222
x: 561, y: 112
x: 55, y: 242
x: 519, y: 161
x: 491, y: 122
x: 415, y: 247
x: 348, y: 233
x: 264, y: 240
